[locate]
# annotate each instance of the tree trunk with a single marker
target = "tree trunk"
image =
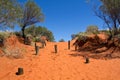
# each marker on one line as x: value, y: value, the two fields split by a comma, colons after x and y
x: 119, y: 21
x: 23, y: 32
x: 115, y: 27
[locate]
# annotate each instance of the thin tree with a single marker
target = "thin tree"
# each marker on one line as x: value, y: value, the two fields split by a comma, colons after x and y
x: 109, y: 12
x: 31, y: 14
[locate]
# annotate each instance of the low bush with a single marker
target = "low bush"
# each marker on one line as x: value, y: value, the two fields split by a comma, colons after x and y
x: 18, y: 34
x: 4, y: 35
x: 13, y: 53
x: 36, y: 39
x: 12, y: 47
x: 61, y: 40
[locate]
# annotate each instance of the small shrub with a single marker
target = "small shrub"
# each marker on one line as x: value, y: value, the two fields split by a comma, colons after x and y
x: 61, y: 40
x: 92, y: 29
x: 18, y: 34
x: 36, y: 39
x: 82, y: 36
x: 13, y: 53
x: 4, y: 35
x: 12, y: 47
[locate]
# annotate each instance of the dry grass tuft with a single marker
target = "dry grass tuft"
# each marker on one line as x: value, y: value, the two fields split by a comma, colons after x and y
x: 13, y: 48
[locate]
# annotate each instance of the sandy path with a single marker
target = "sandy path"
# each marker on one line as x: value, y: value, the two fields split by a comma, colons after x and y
x: 61, y: 66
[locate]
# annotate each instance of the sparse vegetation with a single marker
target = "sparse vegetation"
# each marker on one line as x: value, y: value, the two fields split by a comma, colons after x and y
x: 31, y: 53
x: 10, y: 12
x: 109, y: 12
x: 61, y: 40
x: 92, y: 29
x: 31, y: 14
x: 4, y: 35
x: 13, y: 53
x: 12, y: 48
x: 37, y: 31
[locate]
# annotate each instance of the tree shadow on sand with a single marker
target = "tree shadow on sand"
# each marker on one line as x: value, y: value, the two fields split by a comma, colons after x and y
x: 101, y: 55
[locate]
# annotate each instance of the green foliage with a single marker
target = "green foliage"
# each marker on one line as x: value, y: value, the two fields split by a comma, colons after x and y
x: 39, y: 31
x: 109, y: 12
x: 105, y: 31
x: 31, y: 14
x: 82, y: 34
x: 92, y: 29
x: 36, y: 39
x: 49, y: 35
x: 31, y: 31
x: 82, y: 37
x: 17, y: 33
x: 61, y: 40
x: 4, y: 35
x: 10, y: 11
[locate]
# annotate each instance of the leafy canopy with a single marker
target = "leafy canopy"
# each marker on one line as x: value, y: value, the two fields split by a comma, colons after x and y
x: 31, y: 14
x: 39, y: 31
x: 109, y: 12
x: 10, y: 11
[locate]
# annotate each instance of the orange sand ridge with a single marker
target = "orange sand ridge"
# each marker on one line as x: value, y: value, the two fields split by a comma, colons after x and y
x: 61, y: 66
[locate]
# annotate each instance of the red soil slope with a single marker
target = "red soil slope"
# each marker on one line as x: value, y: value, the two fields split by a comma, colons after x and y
x: 61, y: 66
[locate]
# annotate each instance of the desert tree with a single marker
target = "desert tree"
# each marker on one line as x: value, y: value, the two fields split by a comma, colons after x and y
x: 10, y: 11
x: 31, y: 14
x: 109, y: 12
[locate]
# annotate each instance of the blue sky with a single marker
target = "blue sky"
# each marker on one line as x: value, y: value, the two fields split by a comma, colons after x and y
x: 66, y: 17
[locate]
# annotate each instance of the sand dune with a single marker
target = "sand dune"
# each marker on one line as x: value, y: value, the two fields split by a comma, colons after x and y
x: 48, y: 65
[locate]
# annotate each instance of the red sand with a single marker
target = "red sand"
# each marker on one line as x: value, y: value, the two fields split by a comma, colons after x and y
x: 61, y: 66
